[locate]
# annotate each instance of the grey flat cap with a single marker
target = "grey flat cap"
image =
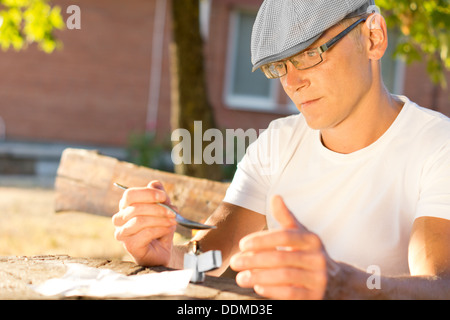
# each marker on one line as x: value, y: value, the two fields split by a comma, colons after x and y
x: 284, y: 27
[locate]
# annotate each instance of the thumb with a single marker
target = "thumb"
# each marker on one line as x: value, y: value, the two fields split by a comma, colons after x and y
x: 282, y: 214
x: 156, y: 184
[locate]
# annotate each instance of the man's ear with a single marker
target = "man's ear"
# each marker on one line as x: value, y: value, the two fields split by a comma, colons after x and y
x: 376, y: 30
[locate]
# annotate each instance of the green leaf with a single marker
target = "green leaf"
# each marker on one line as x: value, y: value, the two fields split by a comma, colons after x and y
x: 29, y: 21
x: 424, y: 25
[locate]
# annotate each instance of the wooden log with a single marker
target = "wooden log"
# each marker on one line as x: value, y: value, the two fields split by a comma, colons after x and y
x: 85, y: 180
x: 18, y: 273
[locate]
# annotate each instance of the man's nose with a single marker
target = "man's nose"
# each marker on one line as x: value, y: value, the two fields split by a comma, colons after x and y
x: 294, y: 79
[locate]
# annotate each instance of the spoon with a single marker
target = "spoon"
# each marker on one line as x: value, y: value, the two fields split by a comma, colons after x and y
x: 178, y: 218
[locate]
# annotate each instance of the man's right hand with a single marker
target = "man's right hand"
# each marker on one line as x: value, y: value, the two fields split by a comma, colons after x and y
x: 145, y: 228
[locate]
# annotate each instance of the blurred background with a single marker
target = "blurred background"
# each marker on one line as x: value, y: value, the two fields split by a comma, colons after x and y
x: 100, y: 79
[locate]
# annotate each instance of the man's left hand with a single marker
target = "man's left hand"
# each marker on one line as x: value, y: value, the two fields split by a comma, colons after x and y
x: 288, y: 263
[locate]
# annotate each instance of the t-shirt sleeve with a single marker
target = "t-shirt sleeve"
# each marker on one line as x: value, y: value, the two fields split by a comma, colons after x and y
x: 247, y: 189
x: 434, y: 198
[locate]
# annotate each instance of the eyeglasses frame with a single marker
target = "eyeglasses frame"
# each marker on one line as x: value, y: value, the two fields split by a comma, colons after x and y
x: 321, y: 49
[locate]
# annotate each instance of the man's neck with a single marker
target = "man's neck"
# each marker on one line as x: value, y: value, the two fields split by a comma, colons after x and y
x: 369, y: 121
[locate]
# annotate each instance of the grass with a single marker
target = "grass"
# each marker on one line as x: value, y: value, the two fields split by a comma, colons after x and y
x: 29, y: 226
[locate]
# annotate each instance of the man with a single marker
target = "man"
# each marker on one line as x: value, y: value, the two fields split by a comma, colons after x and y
x: 359, y: 181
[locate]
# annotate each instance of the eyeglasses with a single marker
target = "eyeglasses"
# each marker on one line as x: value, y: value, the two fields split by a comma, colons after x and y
x: 306, y: 59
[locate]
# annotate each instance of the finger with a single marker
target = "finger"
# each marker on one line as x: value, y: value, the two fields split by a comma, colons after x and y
x: 139, y: 223
x: 277, y: 259
x: 142, y: 195
x: 291, y: 238
x: 283, y: 215
x: 288, y: 293
x: 142, y: 209
x: 143, y: 246
x: 156, y: 184
x: 283, y: 277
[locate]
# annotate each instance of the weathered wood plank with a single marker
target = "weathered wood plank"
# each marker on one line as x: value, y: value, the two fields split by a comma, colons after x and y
x: 17, y: 273
x: 85, y: 180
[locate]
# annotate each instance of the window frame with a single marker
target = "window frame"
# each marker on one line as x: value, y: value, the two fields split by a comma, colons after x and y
x: 245, y: 101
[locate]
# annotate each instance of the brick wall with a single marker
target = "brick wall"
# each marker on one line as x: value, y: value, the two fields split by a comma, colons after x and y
x: 96, y: 89
x: 421, y: 90
x: 93, y: 91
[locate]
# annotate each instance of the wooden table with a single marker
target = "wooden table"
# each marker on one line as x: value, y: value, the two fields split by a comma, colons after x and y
x: 16, y: 273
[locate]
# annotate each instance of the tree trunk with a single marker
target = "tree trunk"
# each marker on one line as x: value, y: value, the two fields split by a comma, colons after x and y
x: 189, y: 92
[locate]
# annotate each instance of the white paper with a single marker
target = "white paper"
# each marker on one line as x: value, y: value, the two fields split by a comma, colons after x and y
x: 81, y: 280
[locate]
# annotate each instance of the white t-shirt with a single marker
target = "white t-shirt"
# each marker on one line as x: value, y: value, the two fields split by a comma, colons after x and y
x: 362, y: 204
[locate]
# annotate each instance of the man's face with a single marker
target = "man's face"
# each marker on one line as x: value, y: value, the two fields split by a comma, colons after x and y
x: 330, y: 92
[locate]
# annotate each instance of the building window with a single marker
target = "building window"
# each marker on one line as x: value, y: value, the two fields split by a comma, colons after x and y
x: 246, y: 89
